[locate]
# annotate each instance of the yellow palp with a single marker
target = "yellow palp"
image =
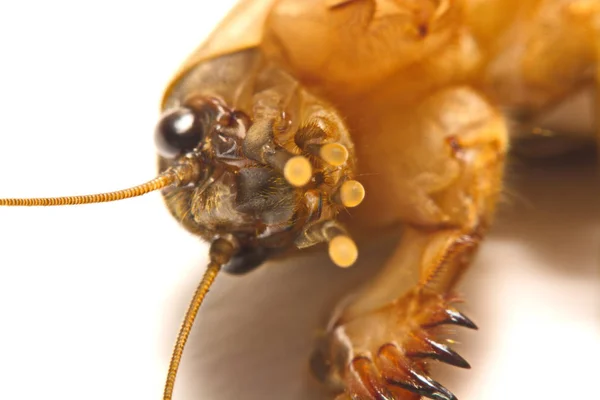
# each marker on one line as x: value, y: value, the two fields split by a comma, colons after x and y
x: 343, y: 251
x: 297, y: 171
x: 352, y: 193
x: 334, y: 154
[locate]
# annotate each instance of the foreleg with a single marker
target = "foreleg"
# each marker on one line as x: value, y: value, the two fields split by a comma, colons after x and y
x: 379, y: 344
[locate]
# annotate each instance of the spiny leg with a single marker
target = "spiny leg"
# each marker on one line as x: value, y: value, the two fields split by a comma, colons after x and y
x: 379, y: 344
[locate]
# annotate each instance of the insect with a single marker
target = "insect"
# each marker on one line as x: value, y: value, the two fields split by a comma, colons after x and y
x: 416, y: 381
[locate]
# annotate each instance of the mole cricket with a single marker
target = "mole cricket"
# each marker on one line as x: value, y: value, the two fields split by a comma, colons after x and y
x: 311, y: 122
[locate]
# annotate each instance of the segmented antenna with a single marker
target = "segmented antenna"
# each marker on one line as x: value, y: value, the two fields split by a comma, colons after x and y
x: 182, y: 173
x: 221, y: 251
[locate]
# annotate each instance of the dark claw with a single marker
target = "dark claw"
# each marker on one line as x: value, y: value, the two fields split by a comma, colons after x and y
x: 442, y: 353
x: 459, y: 319
x: 427, y: 387
x: 453, y: 317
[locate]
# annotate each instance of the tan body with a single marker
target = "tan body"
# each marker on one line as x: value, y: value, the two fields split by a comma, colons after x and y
x: 427, y: 89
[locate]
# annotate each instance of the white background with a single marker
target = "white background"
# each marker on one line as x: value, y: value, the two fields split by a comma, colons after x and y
x: 91, y: 296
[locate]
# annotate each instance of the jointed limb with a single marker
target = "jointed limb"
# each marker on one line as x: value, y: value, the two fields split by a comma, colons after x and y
x: 379, y: 345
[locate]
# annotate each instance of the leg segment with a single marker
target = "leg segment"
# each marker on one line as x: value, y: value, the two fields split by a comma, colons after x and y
x: 379, y: 344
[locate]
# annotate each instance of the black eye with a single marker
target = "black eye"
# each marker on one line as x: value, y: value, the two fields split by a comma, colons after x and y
x: 178, y: 131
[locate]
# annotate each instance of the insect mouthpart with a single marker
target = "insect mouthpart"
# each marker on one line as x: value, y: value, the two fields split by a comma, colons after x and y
x: 269, y: 189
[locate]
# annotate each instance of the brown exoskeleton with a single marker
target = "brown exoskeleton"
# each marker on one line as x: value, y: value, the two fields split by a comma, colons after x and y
x: 263, y: 128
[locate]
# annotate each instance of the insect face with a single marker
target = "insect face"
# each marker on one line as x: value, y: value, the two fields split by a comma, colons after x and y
x: 256, y: 183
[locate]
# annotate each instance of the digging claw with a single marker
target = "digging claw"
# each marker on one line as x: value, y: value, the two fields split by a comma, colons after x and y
x: 393, y: 381
x: 460, y: 319
x: 441, y: 353
x: 391, y: 362
x: 402, y: 371
x: 427, y: 387
x: 452, y: 316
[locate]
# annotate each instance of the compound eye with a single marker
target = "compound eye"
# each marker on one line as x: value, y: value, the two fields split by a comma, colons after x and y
x: 178, y: 131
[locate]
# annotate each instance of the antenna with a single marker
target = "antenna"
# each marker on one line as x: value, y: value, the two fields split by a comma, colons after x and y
x: 185, y: 171
x: 221, y: 251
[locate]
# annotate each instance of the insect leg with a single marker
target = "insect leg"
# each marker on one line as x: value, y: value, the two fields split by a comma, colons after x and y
x: 380, y: 342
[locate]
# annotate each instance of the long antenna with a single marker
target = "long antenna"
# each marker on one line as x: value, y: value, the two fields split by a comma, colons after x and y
x: 221, y: 251
x: 182, y: 173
